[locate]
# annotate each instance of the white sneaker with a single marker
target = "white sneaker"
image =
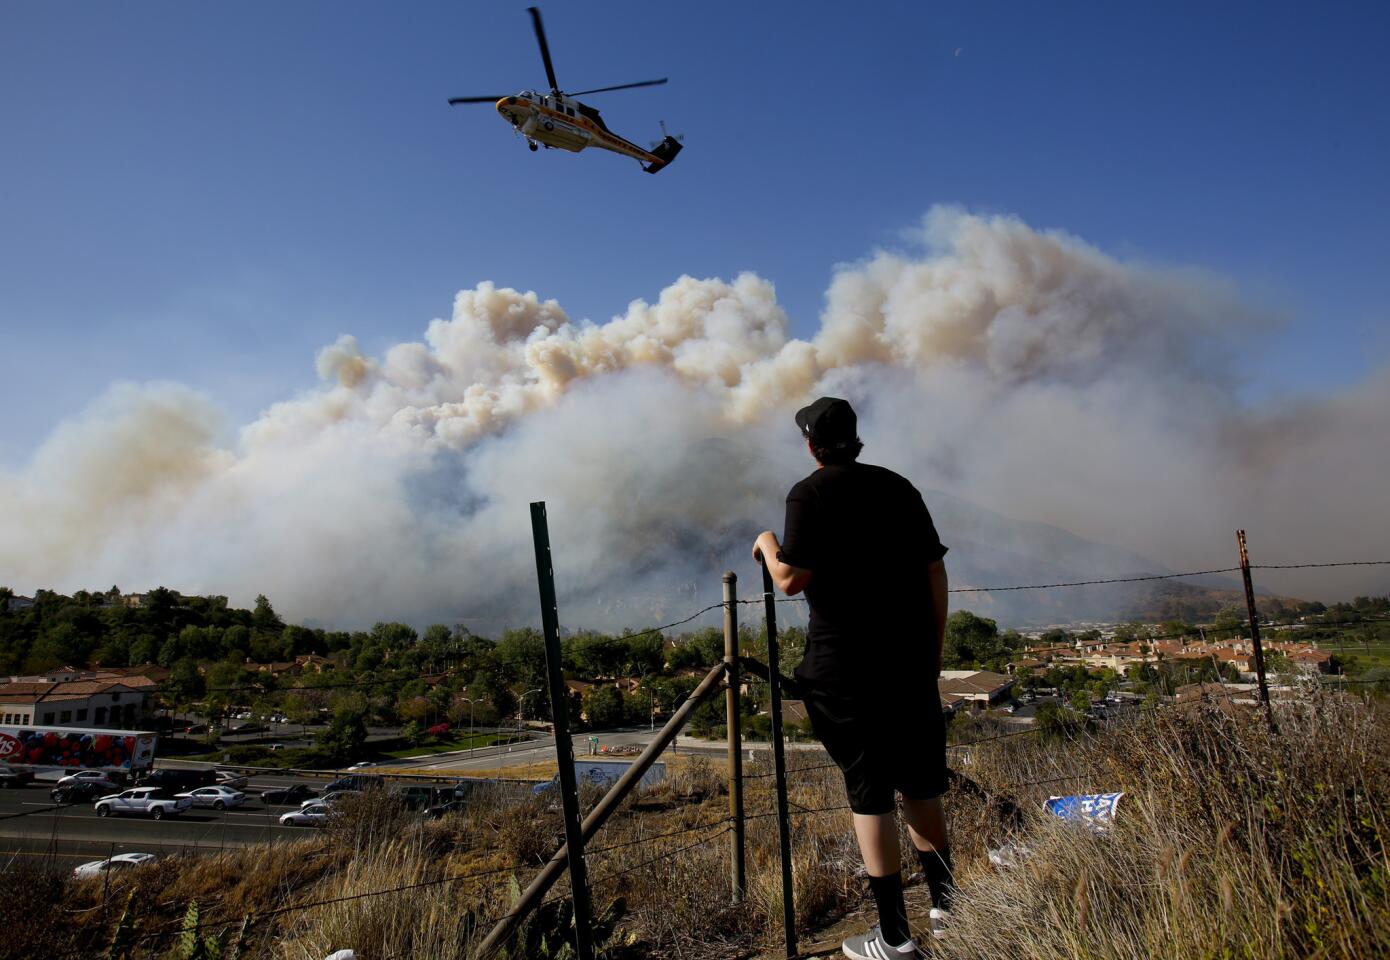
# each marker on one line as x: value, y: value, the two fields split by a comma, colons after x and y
x: 939, y: 920
x: 872, y: 946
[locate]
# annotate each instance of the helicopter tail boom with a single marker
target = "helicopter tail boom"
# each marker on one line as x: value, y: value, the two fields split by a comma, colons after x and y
x: 665, y: 152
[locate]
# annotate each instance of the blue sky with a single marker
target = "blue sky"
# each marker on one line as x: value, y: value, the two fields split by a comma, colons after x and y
x: 208, y: 194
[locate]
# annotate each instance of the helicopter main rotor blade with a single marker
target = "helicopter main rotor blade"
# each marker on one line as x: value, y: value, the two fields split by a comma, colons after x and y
x: 476, y: 99
x: 621, y: 86
x: 545, y: 47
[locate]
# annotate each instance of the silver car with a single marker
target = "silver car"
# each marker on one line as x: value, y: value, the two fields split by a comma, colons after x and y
x: 312, y: 815
x: 218, y: 797
x: 121, y: 861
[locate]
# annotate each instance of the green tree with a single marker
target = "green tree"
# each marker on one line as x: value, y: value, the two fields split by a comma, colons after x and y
x: 969, y: 636
x: 521, y: 656
x: 143, y: 649
x: 603, y: 705
x: 265, y: 618
x: 347, y: 731
x: 298, y: 708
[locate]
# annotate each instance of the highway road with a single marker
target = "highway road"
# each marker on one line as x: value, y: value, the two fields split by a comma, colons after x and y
x: 33, y: 827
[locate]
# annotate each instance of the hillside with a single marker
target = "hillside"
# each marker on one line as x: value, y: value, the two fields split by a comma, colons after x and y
x: 1210, y: 855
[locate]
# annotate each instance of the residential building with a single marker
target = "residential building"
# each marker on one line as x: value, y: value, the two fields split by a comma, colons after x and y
x: 122, y: 704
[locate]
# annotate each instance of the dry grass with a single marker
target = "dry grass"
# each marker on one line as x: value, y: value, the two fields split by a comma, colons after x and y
x: 1231, y: 842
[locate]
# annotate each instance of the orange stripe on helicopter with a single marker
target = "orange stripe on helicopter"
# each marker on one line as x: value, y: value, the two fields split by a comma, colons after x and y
x: 590, y: 126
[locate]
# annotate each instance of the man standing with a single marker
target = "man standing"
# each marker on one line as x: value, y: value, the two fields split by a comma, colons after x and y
x: 861, y: 543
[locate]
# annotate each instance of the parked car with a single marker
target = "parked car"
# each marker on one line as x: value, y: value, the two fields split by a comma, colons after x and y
x: 219, y: 797
x: 16, y: 776
x: 142, y: 800
x: 311, y: 815
x: 83, y: 791
x: 297, y: 793
x: 121, y: 861
x: 83, y: 776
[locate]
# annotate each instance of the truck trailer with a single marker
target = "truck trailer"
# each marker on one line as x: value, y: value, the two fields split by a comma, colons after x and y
x: 63, y: 750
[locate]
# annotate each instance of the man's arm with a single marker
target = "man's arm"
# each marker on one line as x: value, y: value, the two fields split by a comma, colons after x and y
x: 789, y: 579
x: 936, y: 576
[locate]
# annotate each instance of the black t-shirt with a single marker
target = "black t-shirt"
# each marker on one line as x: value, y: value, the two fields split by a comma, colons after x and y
x: 851, y: 526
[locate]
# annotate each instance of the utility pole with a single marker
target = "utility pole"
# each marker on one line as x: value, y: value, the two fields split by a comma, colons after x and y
x: 1255, y: 628
x: 737, y: 878
x: 564, y: 745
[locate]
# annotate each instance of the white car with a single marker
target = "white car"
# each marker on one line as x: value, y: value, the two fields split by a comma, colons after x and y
x: 121, y: 861
x: 364, y: 765
x: 328, y: 798
x: 218, y: 797
x: 310, y: 815
x: 146, y: 800
x: 81, y: 776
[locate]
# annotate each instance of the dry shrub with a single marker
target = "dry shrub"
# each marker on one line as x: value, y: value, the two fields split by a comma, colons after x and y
x: 436, y: 920
x: 1231, y: 840
x: 529, y: 831
x: 33, y: 914
x: 366, y: 819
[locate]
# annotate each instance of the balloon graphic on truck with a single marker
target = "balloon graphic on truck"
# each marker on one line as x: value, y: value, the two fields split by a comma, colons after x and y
x: 65, y: 748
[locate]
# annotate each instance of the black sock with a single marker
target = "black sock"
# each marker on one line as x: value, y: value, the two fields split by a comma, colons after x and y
x: 892, y: 913
x: 936, y: 864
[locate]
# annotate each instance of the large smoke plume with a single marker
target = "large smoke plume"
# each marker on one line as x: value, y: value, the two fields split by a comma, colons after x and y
x: 1020, y: 370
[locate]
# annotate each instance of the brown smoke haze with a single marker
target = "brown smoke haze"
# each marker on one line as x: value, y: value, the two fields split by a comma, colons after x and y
x: 1015, y: 371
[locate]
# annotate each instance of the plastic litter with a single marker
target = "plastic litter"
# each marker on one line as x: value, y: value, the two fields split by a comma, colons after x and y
x: 1009, y: 856
x: 342, y: 955
x: 1095, y: 811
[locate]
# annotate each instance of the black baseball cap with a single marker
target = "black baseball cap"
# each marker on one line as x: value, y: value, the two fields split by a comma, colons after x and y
x: 830, y: 422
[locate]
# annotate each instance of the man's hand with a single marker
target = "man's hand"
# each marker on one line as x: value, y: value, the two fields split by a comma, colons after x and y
x: 765, y: 545
x: 789, y: 579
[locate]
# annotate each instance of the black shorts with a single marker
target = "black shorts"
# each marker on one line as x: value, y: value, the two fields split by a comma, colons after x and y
x: 883, y: 745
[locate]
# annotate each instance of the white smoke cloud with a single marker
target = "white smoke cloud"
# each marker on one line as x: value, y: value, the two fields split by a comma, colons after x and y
x: 1022, y: 370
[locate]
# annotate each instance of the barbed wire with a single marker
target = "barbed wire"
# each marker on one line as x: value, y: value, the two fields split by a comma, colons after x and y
x: 633, y: 868
x: 1311, y: 566
x: 591, y: 851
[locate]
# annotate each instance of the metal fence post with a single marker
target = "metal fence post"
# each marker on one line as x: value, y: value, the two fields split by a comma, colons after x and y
x: 1254, y: 627
x: 564, y: 745
x: 737, y: 877
x: 779, y: 760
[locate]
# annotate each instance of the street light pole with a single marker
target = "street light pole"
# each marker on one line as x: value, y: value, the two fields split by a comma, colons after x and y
x: 521, y: 706
x: 469, y: 701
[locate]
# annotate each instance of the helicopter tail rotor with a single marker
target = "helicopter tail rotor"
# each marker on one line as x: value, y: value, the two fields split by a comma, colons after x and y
x: 665, y: 152
x: 666, y: 135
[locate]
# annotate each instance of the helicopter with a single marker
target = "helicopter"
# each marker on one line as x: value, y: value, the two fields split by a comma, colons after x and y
x: 556, y: 120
